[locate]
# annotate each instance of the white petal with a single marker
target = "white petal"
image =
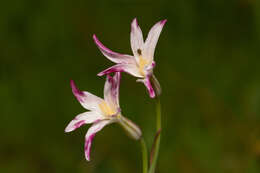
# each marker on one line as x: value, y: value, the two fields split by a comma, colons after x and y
x: 129, y: 68
x: 111, y: 90
x: 91, y: 134
x: 136, y: 38
x: 152, y: 38
x: 86, y: 99
x: 83, y: 118
x: 113, y: 56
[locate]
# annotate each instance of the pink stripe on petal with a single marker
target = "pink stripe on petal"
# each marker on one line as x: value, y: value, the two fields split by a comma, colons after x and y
x: 148, y: 85
x: 115, y: 68
x: 113, y: 56
x: 162, y: 22
x: 129, y: 68
x: 78, y: 124
x: 77, y: 93
x: 83, y: 118
x: 86, y: 99
x: 87, y: 146
x: 96, y: 127
x: 111, y: 90
x: 150, y: 68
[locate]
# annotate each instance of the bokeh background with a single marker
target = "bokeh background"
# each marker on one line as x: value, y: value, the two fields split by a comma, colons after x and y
x: 207, y: 58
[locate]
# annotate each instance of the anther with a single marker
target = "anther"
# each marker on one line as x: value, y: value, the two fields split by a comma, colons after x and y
x: 139, y: 51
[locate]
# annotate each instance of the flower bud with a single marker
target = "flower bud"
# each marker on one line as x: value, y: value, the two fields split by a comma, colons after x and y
x: 132, y: 129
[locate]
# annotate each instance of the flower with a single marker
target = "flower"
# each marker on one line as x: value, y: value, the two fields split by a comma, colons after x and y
x: 142, y: 63
x: 102, y: 112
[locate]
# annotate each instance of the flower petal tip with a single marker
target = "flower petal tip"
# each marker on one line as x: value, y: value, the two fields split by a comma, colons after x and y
x: 87, y: 146
x: 67, y: 129
x: 162, y: 22
x: 113, y: 69
x: 74, y: 124
x: 77, y: 93
x: 152, y: 95
x: 101, y: 74
x: 135, y: 22
x: 103, y: 48
x: 95, y: 38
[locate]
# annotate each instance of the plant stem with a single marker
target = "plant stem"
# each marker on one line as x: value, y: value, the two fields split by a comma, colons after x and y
x: 158, y: 128
x: 144, y: 155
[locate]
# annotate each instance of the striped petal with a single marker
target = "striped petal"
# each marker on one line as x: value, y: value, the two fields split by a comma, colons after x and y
x: 83, y: 118
x: 152, y: 38
x: 91, y: 134
x: 148, y: 85
x: 111, y: 90
x: 129, y: 68
x: 136, y: 38
x: 113, y: 56
x: 86, y: 99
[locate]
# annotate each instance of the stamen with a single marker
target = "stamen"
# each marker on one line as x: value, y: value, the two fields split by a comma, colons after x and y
x: 142, y: 63
x: 106, y: 109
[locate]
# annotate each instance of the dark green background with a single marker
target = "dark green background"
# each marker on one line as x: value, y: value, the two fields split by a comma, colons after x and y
x: 208, y: 60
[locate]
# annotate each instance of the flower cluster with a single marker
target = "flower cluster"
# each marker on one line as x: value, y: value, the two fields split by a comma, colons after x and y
x: 106, y: 111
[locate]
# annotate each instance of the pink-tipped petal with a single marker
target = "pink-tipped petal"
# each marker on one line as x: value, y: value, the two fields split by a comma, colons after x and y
x: 86, y: 99
x: 148, y: 85
x: 152, y: 39
x: 83, y: 118
x: 136, y: 38
x: 91, y: 134
x: 128, y: 68
x: 113, y: 56
x: 111, y: 90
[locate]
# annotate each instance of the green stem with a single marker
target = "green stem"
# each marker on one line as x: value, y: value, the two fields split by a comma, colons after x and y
x: 144, y: 155
x: 158, y: 128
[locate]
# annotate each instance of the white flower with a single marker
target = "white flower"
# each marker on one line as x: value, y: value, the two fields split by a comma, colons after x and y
x: 142, y: 63
x: 102, y: 112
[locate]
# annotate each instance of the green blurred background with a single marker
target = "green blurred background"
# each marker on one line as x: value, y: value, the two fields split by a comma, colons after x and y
x: 207, y: 58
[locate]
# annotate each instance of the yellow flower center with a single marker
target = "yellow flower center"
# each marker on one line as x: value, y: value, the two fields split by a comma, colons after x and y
x: 106, y: 109
x: 142, y: 63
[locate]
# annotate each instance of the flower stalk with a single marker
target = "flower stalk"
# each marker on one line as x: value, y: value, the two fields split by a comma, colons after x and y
x: 144, y: 155
x: 155, y: 150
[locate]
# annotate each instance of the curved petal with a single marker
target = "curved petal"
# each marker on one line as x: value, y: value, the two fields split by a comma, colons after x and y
x: 156, y: 85
x: 86, y: 99
x: 113, y: 56
x: 148, y: 85
x: 111, y: 90
x: 91, y: 134
x: 129, y: 68
x: 152, y: 38
x: 83, y: 118
x: 136, y: 38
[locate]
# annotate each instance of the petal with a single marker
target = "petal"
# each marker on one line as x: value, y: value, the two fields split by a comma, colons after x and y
x: 156, y: 85
x: 129, y: 68
x: 86, y: 99
x: 148, y: 85
x: 91, y: 134
x: 111, y: 90
x: 83, y: 118
x: 136, y: 38
x: 113, y: 56
x: 152, y: 38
